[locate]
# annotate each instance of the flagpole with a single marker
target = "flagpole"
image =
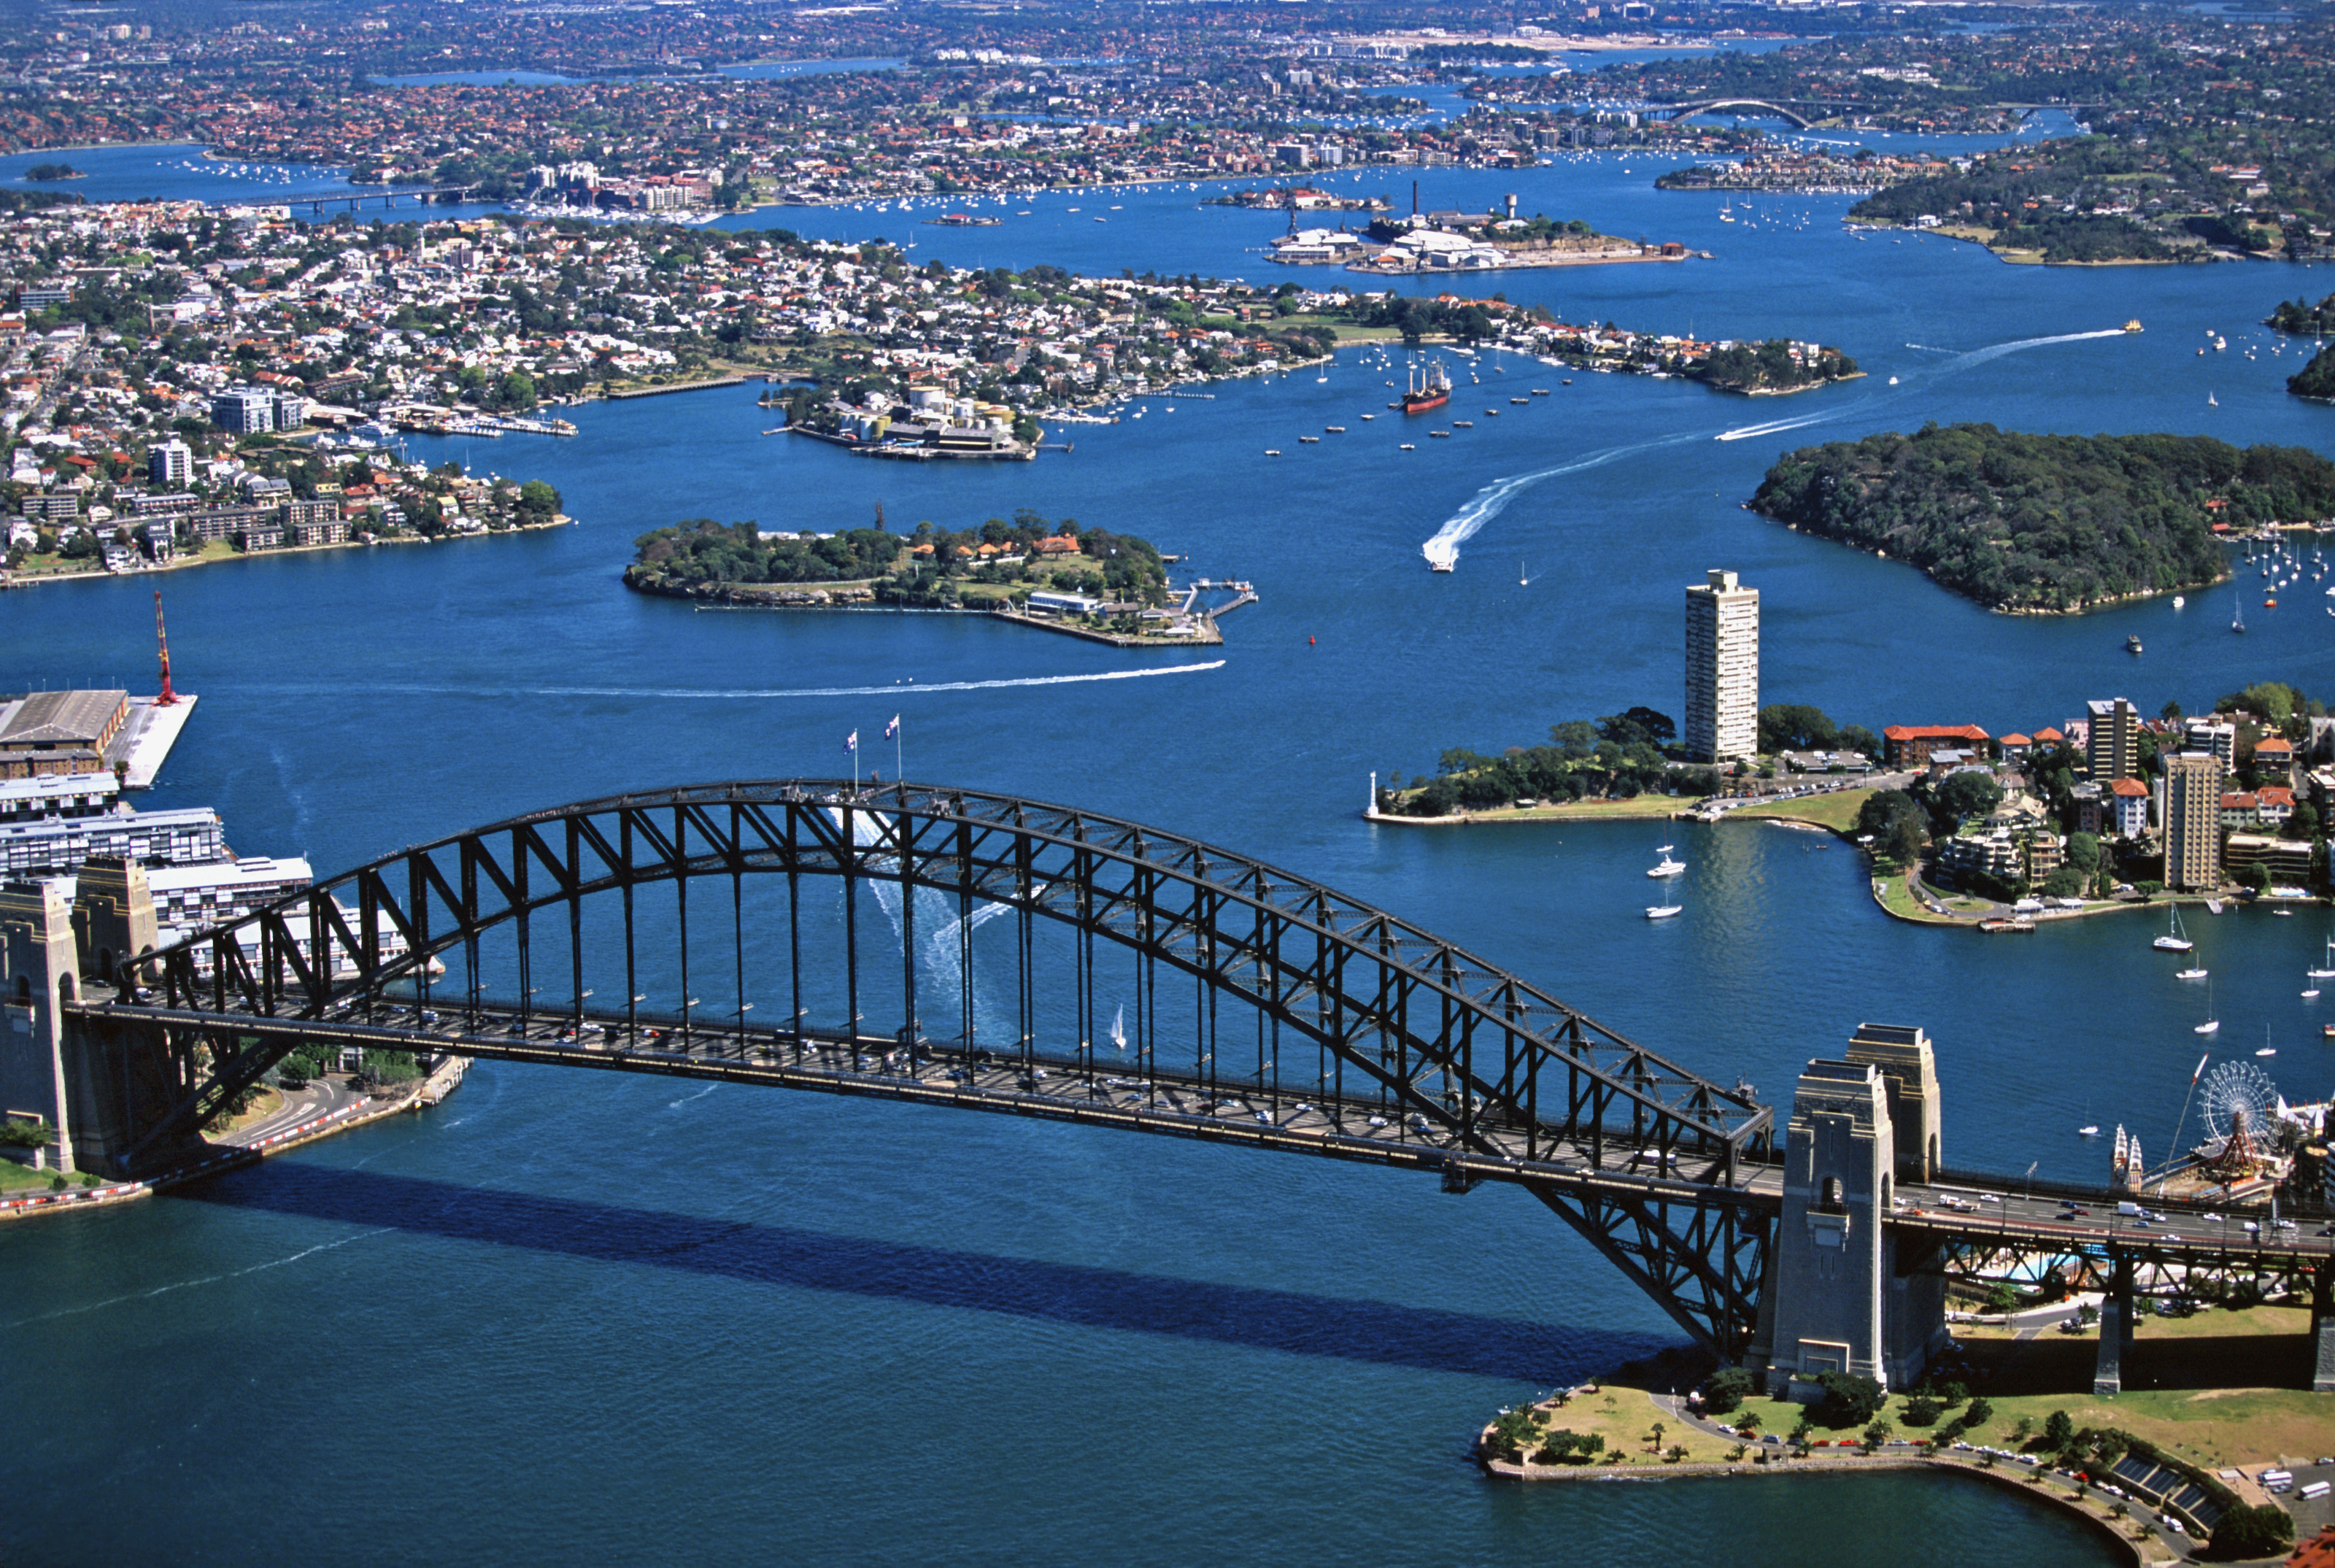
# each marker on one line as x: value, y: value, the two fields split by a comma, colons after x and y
x: 899, y: 770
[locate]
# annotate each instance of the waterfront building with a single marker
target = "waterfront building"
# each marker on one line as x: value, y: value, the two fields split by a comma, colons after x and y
x: 59, y: 731
x: 2129, y: 800
x: 188, y: 836
x: 57, y: 796
x: 1722, y: 670
x: 170, y: 462
x: 2287, y: 860
x: 2190, y: 810
x: 1910, y: 745
x: 2111, y: 739
x: 2015, y: 748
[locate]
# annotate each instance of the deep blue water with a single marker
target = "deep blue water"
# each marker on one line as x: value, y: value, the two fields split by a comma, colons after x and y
x: 569, y: 1315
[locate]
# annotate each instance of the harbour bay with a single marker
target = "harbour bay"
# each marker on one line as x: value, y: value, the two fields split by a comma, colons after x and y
x: 356, y: 701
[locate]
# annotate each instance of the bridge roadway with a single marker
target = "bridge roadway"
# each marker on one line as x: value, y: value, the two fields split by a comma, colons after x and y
x: 1975, y: 1214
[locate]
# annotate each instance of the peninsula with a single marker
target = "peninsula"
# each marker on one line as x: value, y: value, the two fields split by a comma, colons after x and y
x: 2045, y: 524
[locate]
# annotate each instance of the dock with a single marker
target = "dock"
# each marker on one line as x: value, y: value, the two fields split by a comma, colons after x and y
x: 145, y: 741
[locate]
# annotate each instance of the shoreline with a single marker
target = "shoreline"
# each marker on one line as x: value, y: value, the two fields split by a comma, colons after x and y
x: 2038, y: 1489
x: 1210, y: 635
x: 182, y: 563
x: 429, y: 1091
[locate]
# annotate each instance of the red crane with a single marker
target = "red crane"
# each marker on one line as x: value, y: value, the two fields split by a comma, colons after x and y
x: 168, y: 698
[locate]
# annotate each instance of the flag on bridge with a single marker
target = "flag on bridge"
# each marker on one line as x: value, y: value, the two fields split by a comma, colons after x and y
x: 851, y: 742
x: 893, y: 729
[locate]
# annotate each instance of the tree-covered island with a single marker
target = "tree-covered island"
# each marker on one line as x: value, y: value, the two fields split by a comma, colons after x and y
x: 1085, y: 577
x: 2046, y: 523
x: 2303, y: 319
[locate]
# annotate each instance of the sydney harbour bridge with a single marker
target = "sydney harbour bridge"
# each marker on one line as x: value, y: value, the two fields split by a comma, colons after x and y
x: 953, y: 948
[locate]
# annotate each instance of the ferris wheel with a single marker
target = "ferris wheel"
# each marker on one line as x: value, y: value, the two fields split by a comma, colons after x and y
x: 2238, y: 1101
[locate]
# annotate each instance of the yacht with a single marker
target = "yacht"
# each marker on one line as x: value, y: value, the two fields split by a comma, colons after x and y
x: 1664, y: 910
x: 1666, y: 866
x: 2326, y: 970
x: 2172, y: 941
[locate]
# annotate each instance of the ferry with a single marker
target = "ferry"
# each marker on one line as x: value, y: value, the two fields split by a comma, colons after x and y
x: 2132, y: 643
x: 1438, y: 435
x: 1429, y: 390
x: 2133, y: 325
x: 1438, y: 566
x: 1463, y: 424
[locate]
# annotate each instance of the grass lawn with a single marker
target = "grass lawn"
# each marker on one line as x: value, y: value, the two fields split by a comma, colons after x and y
x: 1837, y: 812
x: 1644, y: 807
x: 22, y: 1179
x: 1897, y: 901
x: 2219, y: 1389
x: 1624, y: 1416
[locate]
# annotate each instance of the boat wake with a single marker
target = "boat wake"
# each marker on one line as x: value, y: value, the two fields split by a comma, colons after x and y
x: 758, y: 693
x: 1443, y: 548
x: 1964, y: 358
x: 1773, y: 426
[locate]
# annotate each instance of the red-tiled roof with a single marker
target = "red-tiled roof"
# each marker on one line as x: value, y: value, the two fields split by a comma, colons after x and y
x: 1934, y: 732
x: 2129, y: 788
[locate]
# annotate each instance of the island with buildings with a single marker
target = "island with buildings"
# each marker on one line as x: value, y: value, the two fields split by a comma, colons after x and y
x: 1108, y: 587
x: 2047, y: 524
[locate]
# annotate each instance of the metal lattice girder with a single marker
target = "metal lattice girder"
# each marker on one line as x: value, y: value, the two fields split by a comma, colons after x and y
x: 1443, y: 1035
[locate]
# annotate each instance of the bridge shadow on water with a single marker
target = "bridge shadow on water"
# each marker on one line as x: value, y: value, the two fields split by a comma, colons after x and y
x: 1380, y: 1333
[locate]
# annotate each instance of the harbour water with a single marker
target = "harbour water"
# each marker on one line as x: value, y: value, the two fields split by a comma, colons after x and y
x: 569, y: 1315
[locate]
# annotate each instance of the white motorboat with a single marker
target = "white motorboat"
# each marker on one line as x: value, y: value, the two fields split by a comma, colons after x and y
x: 2190, y: 973
x: 1664, y: 910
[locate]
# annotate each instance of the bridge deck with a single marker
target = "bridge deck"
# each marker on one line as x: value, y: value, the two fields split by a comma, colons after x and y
x: 1998, y: 1216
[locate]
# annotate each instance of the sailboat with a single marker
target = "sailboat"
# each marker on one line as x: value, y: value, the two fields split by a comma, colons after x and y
x: 2327, y: 964
x: 1119, y: 1029
x: 1666, y: 866
x: 2211, y: 1024
x: 2191, y: 972
x: 1664, y: 910
x: 2239, y: 624
x: 2172, y: 941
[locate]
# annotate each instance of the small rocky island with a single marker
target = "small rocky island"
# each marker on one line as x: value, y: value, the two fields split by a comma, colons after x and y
x: 2046, y: 523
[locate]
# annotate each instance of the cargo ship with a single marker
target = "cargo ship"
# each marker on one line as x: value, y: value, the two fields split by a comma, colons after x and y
x: 1430, y: 389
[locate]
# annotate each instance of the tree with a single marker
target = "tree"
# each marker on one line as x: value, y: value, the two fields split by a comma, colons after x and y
x: 1637, y: 725
x: 1961, y: 795
x: 1850, y: 1398
x: 2273, y: 700
x: 1921, y: 1410
x: 1875, y: 1435
x: 1726, y: 1390
x: 2260, y: 1530
x: 1895, y: 822
x: 2083, y: 852
x: 537, y: 502
x: 2059, y: 1432
x: 2002, y: 1298
x: 1979, y: 1414
x: 1796, y: 726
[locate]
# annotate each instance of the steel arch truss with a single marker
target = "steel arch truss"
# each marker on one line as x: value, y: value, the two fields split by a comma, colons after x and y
x: 1468, y: 1054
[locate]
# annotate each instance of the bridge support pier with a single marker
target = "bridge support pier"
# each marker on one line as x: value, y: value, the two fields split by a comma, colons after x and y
x: 87, y: 1079
x: 2116, y: 1328
x: 39, y: 970
x: 1842, y: 1293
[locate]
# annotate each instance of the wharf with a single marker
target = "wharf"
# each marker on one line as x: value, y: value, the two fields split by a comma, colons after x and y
x: 148, y: 737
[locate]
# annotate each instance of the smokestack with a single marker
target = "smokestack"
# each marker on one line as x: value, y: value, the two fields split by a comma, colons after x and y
x: 1414, y: 198
x: 1512, y: 204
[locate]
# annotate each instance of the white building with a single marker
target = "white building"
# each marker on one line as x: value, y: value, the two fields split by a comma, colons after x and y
x: 169, y: 463
x: 1722, y: 670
